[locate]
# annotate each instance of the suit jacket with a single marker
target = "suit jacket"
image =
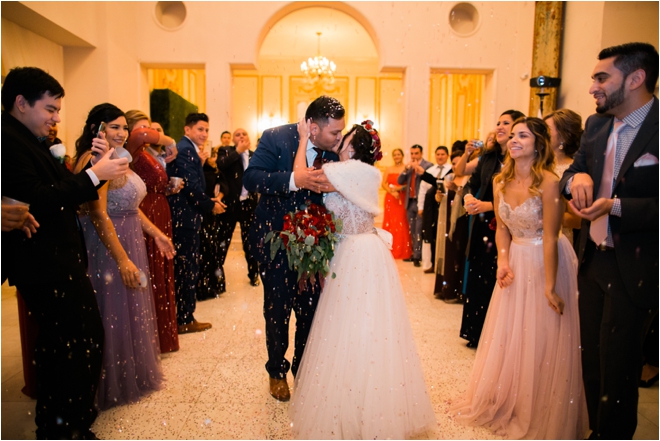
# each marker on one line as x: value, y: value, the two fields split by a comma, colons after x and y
x: 191, y: 202
x: 230, y: 163
x: 56, y: 252
x: 269, y: 174
x: 635, y: 233
x: 406, y: 176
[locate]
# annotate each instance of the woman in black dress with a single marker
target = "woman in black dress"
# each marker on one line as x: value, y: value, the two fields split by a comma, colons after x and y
x: 482, y: 255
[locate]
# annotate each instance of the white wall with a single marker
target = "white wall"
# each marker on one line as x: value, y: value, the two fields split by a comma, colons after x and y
x: 414, y: 36
x: 590, y: 27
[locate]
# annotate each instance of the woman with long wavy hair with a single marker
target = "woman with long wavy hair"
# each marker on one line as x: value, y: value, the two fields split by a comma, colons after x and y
x: 481, y: 262
x: 119, y: 270
x: 527, y: 376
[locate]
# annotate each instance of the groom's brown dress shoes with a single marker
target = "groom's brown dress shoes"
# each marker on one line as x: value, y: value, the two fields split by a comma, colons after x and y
x: 279, y: 389
x: 194, y: 326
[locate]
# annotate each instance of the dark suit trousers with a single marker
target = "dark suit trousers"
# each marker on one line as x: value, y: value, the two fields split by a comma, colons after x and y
x: 68, y: 356
x: 243, y: 216
x: 281, y: 294
x: 186, y: 272
x: 415, y: 224
x: 612, y: 332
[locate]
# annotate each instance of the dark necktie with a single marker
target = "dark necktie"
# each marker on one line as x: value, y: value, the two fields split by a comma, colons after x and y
x: 318, y: 161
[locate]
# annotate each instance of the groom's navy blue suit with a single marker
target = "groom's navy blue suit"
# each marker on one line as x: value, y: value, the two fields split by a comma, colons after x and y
x: 269, y: 174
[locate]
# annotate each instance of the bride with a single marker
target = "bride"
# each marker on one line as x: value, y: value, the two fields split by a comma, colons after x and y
x: 527, y: 375
x: 360, y: 376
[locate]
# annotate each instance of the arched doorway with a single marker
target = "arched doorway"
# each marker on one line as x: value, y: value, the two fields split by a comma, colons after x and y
x: 275, y: 91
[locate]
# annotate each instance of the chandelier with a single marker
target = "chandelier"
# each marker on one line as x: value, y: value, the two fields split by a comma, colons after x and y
x: 319, y: 71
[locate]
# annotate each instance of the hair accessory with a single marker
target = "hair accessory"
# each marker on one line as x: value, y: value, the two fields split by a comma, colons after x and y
x: 368, y: 125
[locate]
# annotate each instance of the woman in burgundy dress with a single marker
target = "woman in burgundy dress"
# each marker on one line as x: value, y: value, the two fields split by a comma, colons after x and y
x: 395, y: 219
x: 157, y: 210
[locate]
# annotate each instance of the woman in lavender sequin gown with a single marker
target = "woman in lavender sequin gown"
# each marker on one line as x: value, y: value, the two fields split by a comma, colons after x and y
x: 113, y: 227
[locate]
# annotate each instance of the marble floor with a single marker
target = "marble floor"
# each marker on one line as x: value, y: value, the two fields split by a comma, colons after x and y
x: 216, y: 384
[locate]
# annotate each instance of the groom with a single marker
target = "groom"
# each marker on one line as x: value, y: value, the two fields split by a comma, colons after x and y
x: 270, y: 173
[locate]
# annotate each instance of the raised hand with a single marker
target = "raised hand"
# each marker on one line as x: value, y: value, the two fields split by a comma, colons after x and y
x: 107, y: 168
x: 99, y: 146
x: 172, y: 155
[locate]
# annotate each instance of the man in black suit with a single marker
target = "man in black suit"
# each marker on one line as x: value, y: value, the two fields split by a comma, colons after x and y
x: 232, y: 162
x: 187, y: 207
x: 270, y: 174
x: 613, y: 186
x: 49, y: 265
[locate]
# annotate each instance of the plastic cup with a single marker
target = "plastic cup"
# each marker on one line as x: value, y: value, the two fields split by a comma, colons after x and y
x: 143, y: 279
x: 9, y: 201
x: 175, y: 181
x: 121, y: 152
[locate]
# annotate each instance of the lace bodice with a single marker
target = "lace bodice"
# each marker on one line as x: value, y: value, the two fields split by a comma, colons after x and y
x: 355, y: 219
x: 126, y: 193
x: 526, y: 220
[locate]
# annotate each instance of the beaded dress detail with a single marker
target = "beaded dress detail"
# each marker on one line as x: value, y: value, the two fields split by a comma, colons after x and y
x: 526, y: 382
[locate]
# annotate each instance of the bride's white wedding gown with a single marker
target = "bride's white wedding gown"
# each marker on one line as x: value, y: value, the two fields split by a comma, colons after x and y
x: 360, y: 376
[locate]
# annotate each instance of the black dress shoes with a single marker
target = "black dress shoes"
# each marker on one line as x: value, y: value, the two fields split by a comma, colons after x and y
x: 254, y: 281
x: 417, y: 263
x: 410, y: 259
x: 648, y: 383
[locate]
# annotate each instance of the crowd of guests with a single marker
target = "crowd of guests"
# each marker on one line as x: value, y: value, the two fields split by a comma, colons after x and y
x: 135, y: 229
x: 118, y: 245
x: 478, y: 234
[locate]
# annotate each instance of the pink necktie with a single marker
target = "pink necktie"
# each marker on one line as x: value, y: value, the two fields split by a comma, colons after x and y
x: 598, y: 229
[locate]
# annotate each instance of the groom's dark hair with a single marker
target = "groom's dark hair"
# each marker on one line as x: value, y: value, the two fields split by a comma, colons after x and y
x: 323, y: 108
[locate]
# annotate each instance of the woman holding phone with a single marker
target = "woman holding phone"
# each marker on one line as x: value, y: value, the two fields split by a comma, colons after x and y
x: 119, y: 270
x: 482, y: 252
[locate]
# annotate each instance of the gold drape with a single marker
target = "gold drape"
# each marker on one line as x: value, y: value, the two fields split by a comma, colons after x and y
x: 456, y: 108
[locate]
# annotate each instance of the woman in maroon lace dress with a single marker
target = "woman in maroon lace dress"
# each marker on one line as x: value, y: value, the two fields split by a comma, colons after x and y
x: 156, y: 208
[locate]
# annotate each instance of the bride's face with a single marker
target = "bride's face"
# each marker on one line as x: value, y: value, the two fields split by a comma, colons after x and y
x: 347, y: 150
x: 522, y: 143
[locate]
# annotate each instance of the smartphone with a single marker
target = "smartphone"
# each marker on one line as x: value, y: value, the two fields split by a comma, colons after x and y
x: 98, y: 132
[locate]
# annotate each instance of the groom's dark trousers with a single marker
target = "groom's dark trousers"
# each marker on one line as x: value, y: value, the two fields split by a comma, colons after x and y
x: 269, y: 174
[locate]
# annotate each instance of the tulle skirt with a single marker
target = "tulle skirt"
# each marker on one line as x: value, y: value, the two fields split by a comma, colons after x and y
x: 527, y: 377
x: 131, y: 356
x: 360, y: 376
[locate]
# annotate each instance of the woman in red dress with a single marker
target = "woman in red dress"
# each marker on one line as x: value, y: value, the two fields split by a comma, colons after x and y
x: 157, y: 210
x: 395, y: 219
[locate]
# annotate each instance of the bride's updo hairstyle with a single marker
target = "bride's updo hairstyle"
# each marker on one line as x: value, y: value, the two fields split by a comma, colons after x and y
x: 365, y: 142
x: 105, y: 112
x: 544, y: 157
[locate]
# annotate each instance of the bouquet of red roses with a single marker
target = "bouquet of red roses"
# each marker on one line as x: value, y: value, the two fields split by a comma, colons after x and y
x: 309, y: 237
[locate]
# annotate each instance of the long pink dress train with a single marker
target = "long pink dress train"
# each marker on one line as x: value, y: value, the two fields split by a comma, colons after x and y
x: 527, y: 377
